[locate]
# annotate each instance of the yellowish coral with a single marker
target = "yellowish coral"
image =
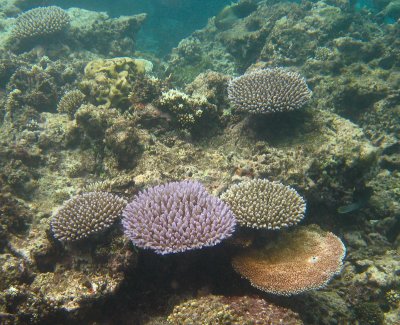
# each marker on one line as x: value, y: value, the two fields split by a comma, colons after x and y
x: 107, y: 82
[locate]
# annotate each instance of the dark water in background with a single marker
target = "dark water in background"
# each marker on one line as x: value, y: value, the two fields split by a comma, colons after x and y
x: 168, y: 21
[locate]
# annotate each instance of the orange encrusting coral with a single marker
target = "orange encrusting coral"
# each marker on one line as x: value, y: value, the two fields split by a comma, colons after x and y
x: 300, y: 261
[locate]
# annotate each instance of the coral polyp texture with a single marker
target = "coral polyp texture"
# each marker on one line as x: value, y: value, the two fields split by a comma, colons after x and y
x: 42, y: 21
x: 70, y: 102
x: 304, y: 260
x: 176, y: 217
x: 187, y: 110
x: 268, y: 91
x: 108, y: 82
x: 86, y: 214
x: 231, y: 310
x: 263, y: 204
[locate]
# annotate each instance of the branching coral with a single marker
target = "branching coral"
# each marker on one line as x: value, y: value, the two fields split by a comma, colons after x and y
x: 86, y: 214
x: 37, y: 88
x: 264, y: 204
x: 39, y: 22
x: 70, y: 102
x: 188, y: 110
x: 176, y: 217
x: 268, y: 91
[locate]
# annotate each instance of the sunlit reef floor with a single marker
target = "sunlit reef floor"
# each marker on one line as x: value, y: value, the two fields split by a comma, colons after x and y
x: 75, y: 122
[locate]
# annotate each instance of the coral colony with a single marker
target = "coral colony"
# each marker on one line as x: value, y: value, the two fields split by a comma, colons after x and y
x: 268, y: 91
x: 300, y: 261
x: 86, y: 214
x: 41, y: 22
x: 264, y: 204
x: 176, y: 217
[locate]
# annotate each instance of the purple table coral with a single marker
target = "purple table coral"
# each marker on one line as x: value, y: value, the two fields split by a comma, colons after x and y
x: 176, y: 217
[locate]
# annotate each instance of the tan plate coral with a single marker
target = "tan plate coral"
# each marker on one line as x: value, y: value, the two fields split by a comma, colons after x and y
x: 303, y: 260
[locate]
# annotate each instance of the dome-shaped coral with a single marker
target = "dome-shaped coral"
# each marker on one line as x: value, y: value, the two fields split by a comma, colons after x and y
x: 303, y: 260
x: 264, y: 204
x: 86, y: 214
x: 176, y: 217
x: 268, y: 91
x: 42, y: 21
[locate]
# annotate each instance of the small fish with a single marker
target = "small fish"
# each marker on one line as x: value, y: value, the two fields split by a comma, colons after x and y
x: 350, y: 207
x: 354, y: 206
x: 363, y: 196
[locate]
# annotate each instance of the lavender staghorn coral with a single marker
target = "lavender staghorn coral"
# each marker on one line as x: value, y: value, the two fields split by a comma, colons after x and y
x: 41, y: 21
x: 86, y: 214
x: 176, y: 217
x: 263, y: 204
x: 268, y: 90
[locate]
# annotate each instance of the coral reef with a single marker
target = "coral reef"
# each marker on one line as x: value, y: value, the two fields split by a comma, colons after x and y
x: 85, y: 215
x: 264, y: 204
x: 123, y: 125
x: 268, y: 91
x: 369, y: 313
x: 34, y: 88
x: 213, y: 86
x: 231, y: 310
x: 303, y: 260
x: 227, y: 17
x: 176, y: 217
x: 15, y: 217
x: 122, y: 141
x: 94, y: 120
